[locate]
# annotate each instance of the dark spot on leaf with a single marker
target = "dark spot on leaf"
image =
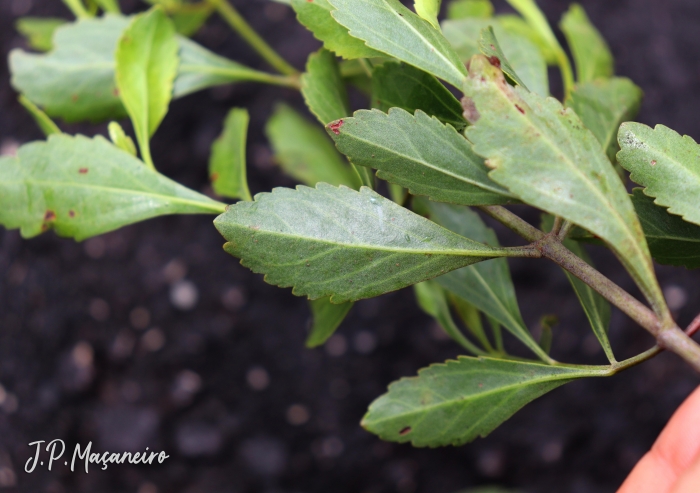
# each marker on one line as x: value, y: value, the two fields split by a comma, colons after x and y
x: 71, y: 213
x: 520, y: 109
x: 405, y: 431
x: 470, y: 112
x: 493, y: 47
x: 214, y: 176
x: 335, y: 126
x: 495, y: 61
x: 74, y: 98
x: 83, y: 171
x: 50, y: 215
x: 116, y: 91
x: 653, y: 162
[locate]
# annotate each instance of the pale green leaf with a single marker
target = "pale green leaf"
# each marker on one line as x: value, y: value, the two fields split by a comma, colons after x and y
x: 456, y: 402
x: 329, y: 241
x: 488, y: 44
x: 304, y: 151
x: 591, y: 53
x: 120, y: 139
x: 323, y: 88
x: 42, y: 120
x: 391, y: 28
x: 83, y: 187
x: 39, y: 31
x: 488, y: 286
x: 190, y: 18
x: 316, y: 17
x: 462, y: 9
x: 542, y: 153
x: 147, y: 62
x: 432, y: 300
x: 672, y: 240
x: 419, y: 153
x: 666, y: 164
x: 327, y: 317
x: 428, y: 10
x: 518, y: 26
x: 227, y: 165
x: 603, y: 105
x: 397, y: 85
x: 76, y: 80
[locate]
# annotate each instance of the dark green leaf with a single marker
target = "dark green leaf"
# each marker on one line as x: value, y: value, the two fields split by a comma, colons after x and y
x: 327, y: 318
x: 542, y: 153
x: 672, y: 240
x: 39, y: 31
x: 335, y: 241
x: 323, y: 88
x: 316, y: 17
x: 591, y: 53
x: 84, y: 187
x: 462, y: 9
x: 397, y: 85
x: 603, y: 105
x: 391, y: 28
x: 456, y: 402
x: 419, y: 153
x: 666, y: 164
x: 304, y: 151
x: 227, y: 165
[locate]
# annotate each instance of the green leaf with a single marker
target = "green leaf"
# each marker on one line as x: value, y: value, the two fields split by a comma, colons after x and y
x: 323, y: 88
x: 335, y: 241
x: 327, y: 318
x: 591, y: 53
x: 189, y: 19
x: 42, y: 120
x: 120, y: 139
x: 514, y: 50
x: 304, y: 151
x: 111, y: 6
x: 542, y: 153
x: 419, y: 153
x: 666, y: 164
x: 488, y: 286
x: 431, y: 299
x: 397, y: 85
x: 462, y: 9
x: 603, y: 105
x: 39, y: 31
x: 488, y: 44
x: 227, y: 165
x: 428, y: 10
x: 516, y: 25
x: 672, y: 240
x: 391, y: 28
x: 147, y: 63
x: 316, y: 17
x: 471, y: 317
x: 456, y: 402
x: 83, y: 187
x: 76, y: 80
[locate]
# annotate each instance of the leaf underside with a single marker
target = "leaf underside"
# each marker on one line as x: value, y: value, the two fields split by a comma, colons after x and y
x: 327, y: 317
x: 227, y: 165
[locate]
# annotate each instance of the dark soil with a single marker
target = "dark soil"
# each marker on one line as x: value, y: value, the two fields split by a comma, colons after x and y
x: 78, y: 363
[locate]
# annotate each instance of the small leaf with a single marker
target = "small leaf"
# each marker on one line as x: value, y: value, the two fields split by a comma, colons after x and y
x: 542, y: 153
x: 547, y: 323
x: 304, y: 151
x: 591, y: 53
x: 603, y: 105
x: 488, y: 44
x: 334, y: 241
x: 471, y: 317
x: 120, y: 139
x: 488, y: 286
x: 327, y: 318
x: 397, y: 85
x: 83, y: 187
x: 431, y: 299
x: 428, y: 10
x: 463, y: 9
x: 419, y: 153
x: 316, y: 17
x: 391, y: 28
x: 666, y: 164
x: 39, y: 31
x: 323, y: 88
x: 42, y: 120
x: 672, y: 240
x: 147, y: 63
x: 227, y: 165
x: 516, y: 25
x: 110, y: 6
x: 456, y: 402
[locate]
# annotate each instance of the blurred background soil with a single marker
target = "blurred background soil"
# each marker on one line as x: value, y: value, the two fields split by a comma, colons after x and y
x: 152, y: 336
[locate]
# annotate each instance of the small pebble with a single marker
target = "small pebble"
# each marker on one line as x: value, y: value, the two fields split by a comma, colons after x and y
x: 174, y: 271
x: 95, y: 248
x: 676, y: 297
x: 233, y: 299
x: 329, y: 448
x: 298, y: 415
x: 187, y: 384
x: 82, y: 355
x: 123, y: 344
x: 153, y: 340
x: 184, y: 295
x: 336, y: 346
x: 552, y: 451
x: 140, y: 318
x: 258, y: 378
x: 148, y: 488
x: 365, y: 342
x: 99, y: 310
